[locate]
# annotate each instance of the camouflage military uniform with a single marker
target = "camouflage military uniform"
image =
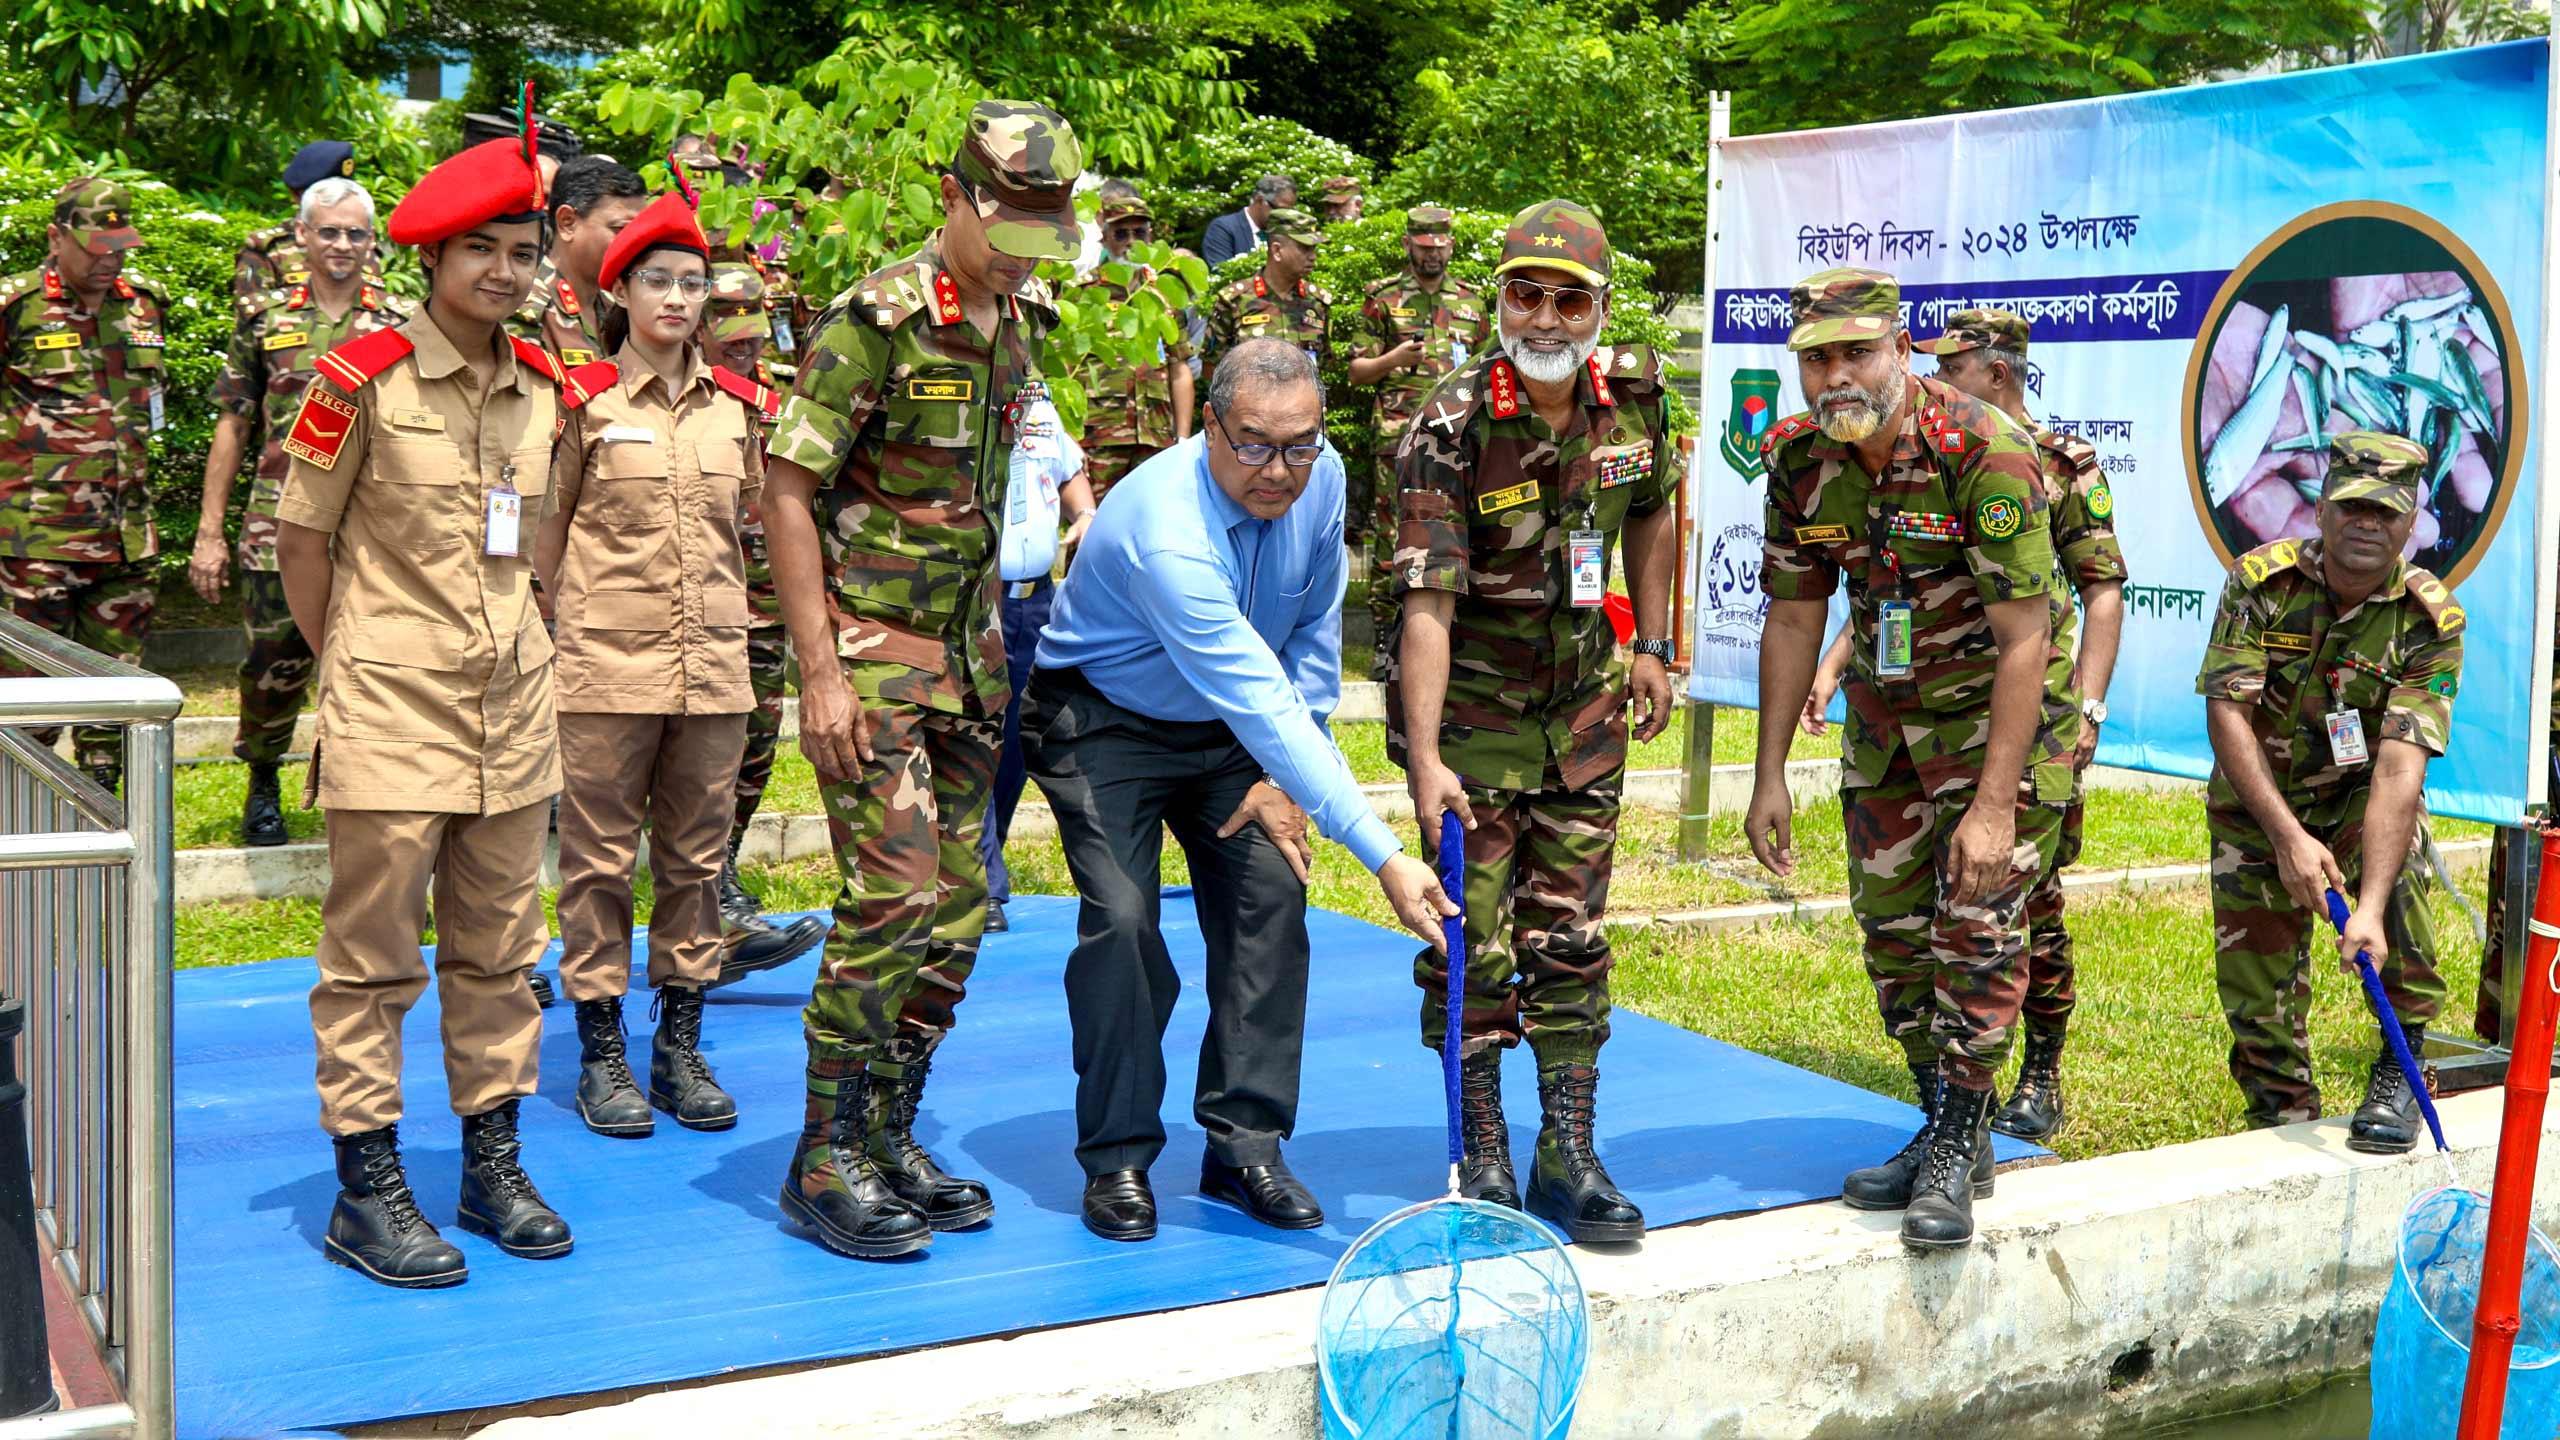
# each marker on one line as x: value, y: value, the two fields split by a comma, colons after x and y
x: 271, y: 259
x: 2276, y: 647
x: 1958, y: 521
x: 554, y: 318
x: 741, y: 304
x: 1247, y: 310
x: 1128, y: 409
x: 278, y: 336
x: 904, y: 409
x: 1454, y: 325
x: 84, y: 391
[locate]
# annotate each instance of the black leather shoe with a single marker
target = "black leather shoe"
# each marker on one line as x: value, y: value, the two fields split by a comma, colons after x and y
x: 745, y: 950
x: 262, y: 818
x: 996, y: 923
x: 375, y: 1228
x: 2389, y: 1120
x: 1268, y: 1193
x: 1120, y: 1205
x: 498, y: 1198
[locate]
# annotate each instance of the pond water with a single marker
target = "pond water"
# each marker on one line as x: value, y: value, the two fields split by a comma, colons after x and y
x: 2339, y: 1410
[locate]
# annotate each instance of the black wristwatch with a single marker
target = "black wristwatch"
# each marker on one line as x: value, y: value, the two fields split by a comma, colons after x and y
x: 1659, y: 649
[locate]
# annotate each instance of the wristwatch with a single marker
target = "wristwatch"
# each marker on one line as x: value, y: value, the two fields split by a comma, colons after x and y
x: 2094, y: 711
x: 1659, y: 649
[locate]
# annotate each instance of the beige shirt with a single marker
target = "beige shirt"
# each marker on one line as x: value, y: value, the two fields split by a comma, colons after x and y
x: 435, y: 691
x: 653, y: 582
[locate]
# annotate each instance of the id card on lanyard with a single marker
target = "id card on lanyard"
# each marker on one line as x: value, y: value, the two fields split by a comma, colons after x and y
x: 1893, y: 607
x: 1587, y: 557
x: 504, y: 535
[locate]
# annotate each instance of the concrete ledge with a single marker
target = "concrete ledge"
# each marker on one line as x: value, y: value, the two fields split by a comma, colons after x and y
x: 2102, y: 1295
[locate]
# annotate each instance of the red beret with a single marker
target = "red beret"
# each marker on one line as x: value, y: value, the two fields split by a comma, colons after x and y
x: 493, y: 179
x: 667, y: 222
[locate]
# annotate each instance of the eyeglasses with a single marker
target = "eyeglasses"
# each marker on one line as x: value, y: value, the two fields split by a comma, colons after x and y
x: 349, y: 234
x: 1573, y: 303
x: 1135, y: 230
x: 1257, y: 456
x: 659, y: 282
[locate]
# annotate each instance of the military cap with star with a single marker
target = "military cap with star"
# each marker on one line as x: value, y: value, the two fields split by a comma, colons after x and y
x: 318, y: 161
x: 1341, y: 187
x: 1557, y: 235
x: 98, y: 213
x: 1978, y: 330
x: 2369, y: 465
x: 1124, y: 207
x: 1831, y: 306
x: 1021, y: 162
x: 1295, y: 225
x: 737, y: 304
x: 1428, y: 220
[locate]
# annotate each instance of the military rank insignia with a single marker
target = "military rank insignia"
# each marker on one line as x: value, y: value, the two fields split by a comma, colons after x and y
x: 320, y: 428
x: 1999, y: 517
x: 1502, y: 391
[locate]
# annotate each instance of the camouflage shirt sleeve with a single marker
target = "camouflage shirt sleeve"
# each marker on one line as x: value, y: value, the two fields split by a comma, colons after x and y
x: 1377, y: 329
x: 1431, y: 489
x: 315, y: 496
x: 2419, y: 708
x: 1660, y: 487
x: 835, y: 394
x: 2008, y: 524
x: 2084, y: 529
x: 2235, y: 652
x: 243, y: 378
x: 1789, y: 568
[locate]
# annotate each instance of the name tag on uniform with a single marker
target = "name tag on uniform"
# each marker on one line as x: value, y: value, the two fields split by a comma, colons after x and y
x: 506, y: 517
x: 1587, y: 553
x: 569, y: 356
x: 1402, y: 312
x: 59, y: 340
x: 417, y: 419
x: 287, y: 340
x: 959, y: 391
x: 1822, y: 534
x: 2278, y: 640
x: 1253, y: 322
x: 1525, y: 493
x: 296, y: 277
x: 1893, y: 639
x: 616, y: 433
x: 2346, y: 738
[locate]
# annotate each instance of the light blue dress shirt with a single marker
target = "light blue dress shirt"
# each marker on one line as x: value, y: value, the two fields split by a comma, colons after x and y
x: 1182, y: 606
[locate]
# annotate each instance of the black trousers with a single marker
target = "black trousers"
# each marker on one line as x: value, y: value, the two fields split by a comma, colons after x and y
x: 1117, y: 780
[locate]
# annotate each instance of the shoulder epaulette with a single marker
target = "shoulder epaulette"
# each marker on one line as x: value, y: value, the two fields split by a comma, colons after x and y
x: 1383, y: 283
x: 586, y: 382
x: 2273, y: 558
x: 1632, y: 369
x: 265, y: 240
x: 2438, y: 601
x: 130, y: 284
x: 1464, y: 391
x: 1786, y: 430
x: 357, y: 361
x: 888, y: 296
x: 765, y: 401
x: 1944, y: 433
x: 1316, y: 292
x: 19, y: 287
x: 537, y: 357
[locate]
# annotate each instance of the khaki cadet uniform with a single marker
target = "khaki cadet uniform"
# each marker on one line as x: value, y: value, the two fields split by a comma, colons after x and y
x: 1454, y: 324
x: 554, y: 318
x: 275, y: 347
x: 438, y: 743
x: 1490, y: 501
x: 84, y: 392
x: 1249, y: 309
x: 652, y: 669
x: 2394, y: 662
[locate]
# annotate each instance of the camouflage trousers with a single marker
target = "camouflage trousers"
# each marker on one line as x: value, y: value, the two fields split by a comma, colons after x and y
x: 275, y: 673
x: 1384, y: 607
x: 768, y: 674
x: 1949, y: 979
x: 2265, y: 950
x: 1537, y: 884
x: 2050, y: 989
x: 1361, y: 487
x: 104, y: 605
x: 913, y: 901
x: 1107, y: 465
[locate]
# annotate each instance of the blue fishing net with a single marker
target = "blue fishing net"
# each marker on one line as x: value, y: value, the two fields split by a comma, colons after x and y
x: 2422, y: 1346
x: 1452, y: 1318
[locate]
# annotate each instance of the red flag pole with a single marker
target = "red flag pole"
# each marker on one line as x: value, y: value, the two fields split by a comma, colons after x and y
x: 2495, y: 1322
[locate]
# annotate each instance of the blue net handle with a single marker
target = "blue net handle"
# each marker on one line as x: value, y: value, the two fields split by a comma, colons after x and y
x: 1453, y: 930
x: 2390, y: 1023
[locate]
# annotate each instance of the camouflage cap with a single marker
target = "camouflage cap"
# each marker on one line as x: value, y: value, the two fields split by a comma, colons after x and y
x: 737, y: 308
x: 1976, y: 329
x: 2369, y: 465
x: 99, y: 215
x: 1847, y: 304
x: 1023, y: 160
x: 1124, y: 207
x: 1341, y: 187
x: 1428, y: 220
x: 1557, y: 235
x: 1295, y: 225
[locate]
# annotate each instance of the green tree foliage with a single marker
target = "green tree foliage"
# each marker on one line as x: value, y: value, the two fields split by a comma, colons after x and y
x: 1215, y: 172
x: 1573, y: 100
x: 1838, y: 62
x: 1354, y: 76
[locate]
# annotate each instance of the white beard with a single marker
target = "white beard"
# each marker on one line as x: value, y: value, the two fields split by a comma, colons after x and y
x: 1853, y: 425
x: 1550, y: 367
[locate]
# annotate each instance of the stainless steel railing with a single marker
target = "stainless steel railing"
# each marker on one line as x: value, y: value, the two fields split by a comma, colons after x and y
x: 85, y: 943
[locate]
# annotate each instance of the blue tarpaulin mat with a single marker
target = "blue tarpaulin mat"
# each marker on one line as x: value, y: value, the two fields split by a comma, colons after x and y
x: 683, y: 1268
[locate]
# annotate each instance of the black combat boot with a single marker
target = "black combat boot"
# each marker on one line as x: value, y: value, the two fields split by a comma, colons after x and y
x: 609, y: 1100
x: 2034, y: 1111
x: 746, y: 949
x: 262, y: 818
x: 1485, y: 1174
x: 833, y: 1187
x: 498, y: 1198
x: 1888, y: 1186
x: 376, y: 1228
x: 1956, y: 1170
x: 2388, y: 1121
x: 1567, y: 1187
x: 680, y: 1080
x: 540, y: 984
x: 738, y: 905
x: 893, y: 1091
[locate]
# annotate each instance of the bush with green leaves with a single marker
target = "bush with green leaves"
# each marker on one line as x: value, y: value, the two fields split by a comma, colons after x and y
x: 186, y: 259
x: 1214, y: 172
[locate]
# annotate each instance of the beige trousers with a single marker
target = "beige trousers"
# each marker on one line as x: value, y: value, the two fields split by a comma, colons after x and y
x: 675, y: 775
x: 486, y: 871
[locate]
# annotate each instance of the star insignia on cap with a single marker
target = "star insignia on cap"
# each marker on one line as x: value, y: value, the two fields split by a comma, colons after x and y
x: 1554, y: 240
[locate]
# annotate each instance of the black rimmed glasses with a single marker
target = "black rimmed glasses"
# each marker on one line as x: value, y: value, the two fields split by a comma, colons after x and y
x: 1257, y: 456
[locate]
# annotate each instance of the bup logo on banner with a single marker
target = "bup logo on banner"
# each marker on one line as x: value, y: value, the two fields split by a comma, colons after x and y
x: 1755, y: 409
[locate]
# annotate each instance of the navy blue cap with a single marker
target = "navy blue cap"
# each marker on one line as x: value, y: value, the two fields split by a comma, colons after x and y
x: 318, y: 161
